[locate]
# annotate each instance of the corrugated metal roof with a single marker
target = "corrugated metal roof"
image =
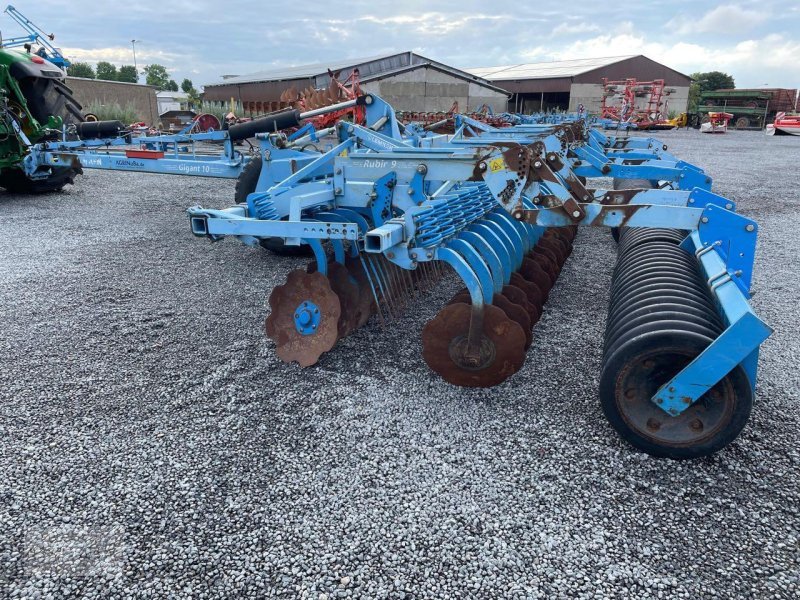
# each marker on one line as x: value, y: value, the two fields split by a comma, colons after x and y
x: 304, y: 71
x: 458, y: 73
x: 370, y: 66
x: 546, y: 70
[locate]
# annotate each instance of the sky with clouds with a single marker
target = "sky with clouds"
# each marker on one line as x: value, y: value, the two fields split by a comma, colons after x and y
x: 757, y: 42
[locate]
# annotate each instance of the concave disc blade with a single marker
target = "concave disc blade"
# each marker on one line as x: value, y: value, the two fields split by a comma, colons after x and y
x: 502, y: 346
x: 516, y: 313
x: 302, y: 287
x: 532, y: 292
x: 347, y: 290
x: 366, y: 300
x: 517, y: 296
x: 535, y: 273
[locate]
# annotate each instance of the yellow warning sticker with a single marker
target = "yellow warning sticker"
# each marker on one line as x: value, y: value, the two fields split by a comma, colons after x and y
x: 497, y: 164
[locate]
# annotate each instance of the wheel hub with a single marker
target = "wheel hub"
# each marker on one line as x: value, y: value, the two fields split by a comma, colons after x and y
x: 307, y: 318
x: 474, y: 358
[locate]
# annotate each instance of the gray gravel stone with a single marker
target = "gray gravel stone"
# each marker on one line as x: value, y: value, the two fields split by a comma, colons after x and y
x: 152, y: 445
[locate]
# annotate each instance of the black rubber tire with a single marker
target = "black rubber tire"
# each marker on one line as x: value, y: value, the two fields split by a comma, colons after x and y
x: 246, y: 185
x: 248, y: 179
x: 16, y: 182
x: 736, y: 383
x: 45, y: 97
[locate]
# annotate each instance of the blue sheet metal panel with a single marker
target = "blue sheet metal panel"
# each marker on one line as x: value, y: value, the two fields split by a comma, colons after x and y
x: 200, y: 166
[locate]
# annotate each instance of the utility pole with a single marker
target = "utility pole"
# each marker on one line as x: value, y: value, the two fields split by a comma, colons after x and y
x: 135, y: 66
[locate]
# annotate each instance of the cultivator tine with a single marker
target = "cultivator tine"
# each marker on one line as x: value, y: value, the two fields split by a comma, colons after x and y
x: 375, y: 266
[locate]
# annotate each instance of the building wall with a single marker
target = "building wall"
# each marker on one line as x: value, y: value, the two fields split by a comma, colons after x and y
x: 590, y: 95
x: 141, y: 97
x: 262, y: 91
x: 639, y: 67
x: 429, y: 90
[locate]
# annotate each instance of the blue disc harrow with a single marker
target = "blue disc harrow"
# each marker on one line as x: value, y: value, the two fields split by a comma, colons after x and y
x: 388, y: 210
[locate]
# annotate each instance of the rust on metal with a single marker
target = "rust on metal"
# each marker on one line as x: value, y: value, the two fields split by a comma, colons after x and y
x: 536, y: 217
x: 445, y: 346
x: 280, y: 326
x: 619, y: 197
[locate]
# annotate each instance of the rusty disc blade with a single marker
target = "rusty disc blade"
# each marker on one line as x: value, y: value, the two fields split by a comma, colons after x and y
x: 517, y: 296
x: 564, y: 244
x: 516, y: 313
x: 534, y: 272
x: 500, y: 352
x: 552, y: 246
x: 462, y: 297
x: 565, y: 233
x: 532, y: 291
x: 554, y: 258
x: 546, y: 263
x: 366, y: 300
x: 513, y: 311
x: 347, y: 289
x: 313, y: 289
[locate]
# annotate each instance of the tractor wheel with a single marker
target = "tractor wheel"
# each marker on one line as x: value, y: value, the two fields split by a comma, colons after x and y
x: 45, y: 97
x: 742, y: 123
x: 246, y: 185
x: 16, y: 182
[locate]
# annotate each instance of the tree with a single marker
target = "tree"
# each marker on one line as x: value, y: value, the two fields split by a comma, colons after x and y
x: 172, y: 86
x: 81, y: 69
x: 128, y: 74
x: 157, y: 76
x: 707, y: 82
x: 187, y: 86
x: 106, y: 71
x: 194, y: 99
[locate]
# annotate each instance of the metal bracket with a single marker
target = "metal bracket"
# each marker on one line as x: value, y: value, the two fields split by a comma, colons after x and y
x: 380, y: 204
x: 578, y: 193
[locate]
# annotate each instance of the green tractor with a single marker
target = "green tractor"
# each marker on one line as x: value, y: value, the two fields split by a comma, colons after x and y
x: 35, y: 104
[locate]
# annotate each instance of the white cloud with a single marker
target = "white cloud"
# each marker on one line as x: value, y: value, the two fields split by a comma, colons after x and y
x: 119, y: 55
x: 752, y: 62
x: 722, y: 19
x: 564, y: 29
x: 431, y: 23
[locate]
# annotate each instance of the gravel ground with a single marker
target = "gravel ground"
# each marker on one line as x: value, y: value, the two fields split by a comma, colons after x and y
x: 151, y: 444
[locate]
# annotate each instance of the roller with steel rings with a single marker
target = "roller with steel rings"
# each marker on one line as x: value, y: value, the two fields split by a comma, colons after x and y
x: 661, y: 316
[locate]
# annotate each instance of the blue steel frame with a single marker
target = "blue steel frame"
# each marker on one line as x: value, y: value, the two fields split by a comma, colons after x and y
x: 181, y: 155
x: 332, y: 196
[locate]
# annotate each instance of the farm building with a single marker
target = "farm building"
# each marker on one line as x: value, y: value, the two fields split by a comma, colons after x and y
x: 567, y: 83
x: 407, y: 80
x: 169, y: 100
